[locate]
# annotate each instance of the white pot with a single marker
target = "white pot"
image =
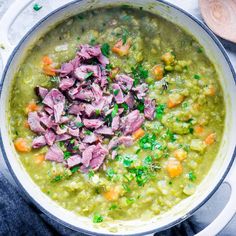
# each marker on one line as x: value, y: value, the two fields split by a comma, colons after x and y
x: 184, y: 209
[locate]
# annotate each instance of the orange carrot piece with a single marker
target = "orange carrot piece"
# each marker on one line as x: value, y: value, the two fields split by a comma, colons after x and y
x: 210, y: 139
x: 49, y: 70
x: 39, y: 158
x: 122, y: 49
x: 47, y: 60
x: 158, y: 72
x: 47, y: 66
x: 21, y: 145
x: 174, y: 100
x: 174, y: 168
x: 138, y: 133
x: 111, y: 195
x: 198, y: 129
x: 32, y: 106
x: 180, y: 154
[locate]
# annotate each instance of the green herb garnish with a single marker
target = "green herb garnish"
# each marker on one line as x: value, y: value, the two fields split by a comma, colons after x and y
x: 160, y: 111
x: 197, y: 77
x: 130, y: 200
x: 88, y: 75
x: 88, y: 132
x: 125, y: 106
x: 79, y: 124
x: 90, y: 174
x: 37, y: 7
x: 126, y: 188
x: 116, y: 92
x: 56, y: 178
x: 148, y: 141
x: 191, y: 176
x: 139, y: 74
x: 140, y: 106
x: 67, y: 155
x: 105, y: 48
x: 74, y: 169
x: 110, y: 173
x: 55, y: 79
x: 114, y: 111
x: 148, y: 160
x: 113, y: 207
x: 97, y: 218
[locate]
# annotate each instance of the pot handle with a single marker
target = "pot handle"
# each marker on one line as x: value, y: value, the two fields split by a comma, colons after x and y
x: 5, y: 23
x: 229, y: 210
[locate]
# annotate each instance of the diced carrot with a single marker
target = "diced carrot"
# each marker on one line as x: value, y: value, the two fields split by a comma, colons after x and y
x: 49, y: 70
x: 22, y: 145
x: 32, y: 106
x: 158, y: 71
x: 168, y: 58
x: 112, y: 194
x: 174, y: 168
x: 174, y: 100
x: 198, y: 129
x: 180, y: 154
x: 47, y: 66
x: 47, y: 60
x: 138, y: 133
x: 26, y: 124
x: 39, y: 158
x: 210, y: 139
x: 122, y: 49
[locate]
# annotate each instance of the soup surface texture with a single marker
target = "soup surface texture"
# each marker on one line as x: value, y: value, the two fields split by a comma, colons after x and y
x: 136, y: 111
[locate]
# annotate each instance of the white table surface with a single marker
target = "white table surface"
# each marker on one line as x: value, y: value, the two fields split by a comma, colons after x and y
x: 207, y: 212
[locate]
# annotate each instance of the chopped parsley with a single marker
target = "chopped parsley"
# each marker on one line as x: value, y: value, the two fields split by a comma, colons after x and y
x: 185, y: 105
x: 148, y: 141
x: 197, y: 77
x: 88, y: 75
x: 105, y: 48
x: 97, y: 218
x: 139, y: 74
x: 126, y: 188
x: 148, y: 160
x: 90, y: 174
x: 114, y: 111
x: 191, y: 176
x: 160, y: 111
x: 88, y: 132
x: 140, y: 106
x: 130, y: 200
x: 110, y: 173
x: 142, y: 174
x: 97, y: 112
x: 113, y: 207
x: 116, y: 92
x: 92, y: 41
x: 79, y: 124
x: 56, y: 178
x: 191, y: 130
x: 74, y: 169
x: 67, y: 155
x: 37, y: 7
x: 55, y: 79
x: 171, y: 136
x: 125, y: 106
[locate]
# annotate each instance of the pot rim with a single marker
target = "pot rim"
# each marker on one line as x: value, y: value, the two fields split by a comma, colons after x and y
x: 63, y: 222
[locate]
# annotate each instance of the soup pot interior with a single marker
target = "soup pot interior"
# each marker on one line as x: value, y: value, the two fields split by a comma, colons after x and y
x: 219, y: 168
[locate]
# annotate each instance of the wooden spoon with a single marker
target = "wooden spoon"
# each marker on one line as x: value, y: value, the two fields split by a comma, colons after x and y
x: 220, y: 16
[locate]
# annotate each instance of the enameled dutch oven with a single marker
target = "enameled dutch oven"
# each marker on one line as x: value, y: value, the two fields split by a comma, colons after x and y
x: 12, y: 57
